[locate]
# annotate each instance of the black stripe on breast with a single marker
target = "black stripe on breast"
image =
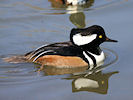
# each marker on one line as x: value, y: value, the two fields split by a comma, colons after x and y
x: 63, y: 1
x: 92, y: 57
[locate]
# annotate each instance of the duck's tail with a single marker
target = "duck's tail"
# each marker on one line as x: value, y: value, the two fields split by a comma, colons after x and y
x: 18, y: 58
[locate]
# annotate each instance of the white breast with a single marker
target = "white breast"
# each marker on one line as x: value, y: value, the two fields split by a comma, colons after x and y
x: 99, y: 59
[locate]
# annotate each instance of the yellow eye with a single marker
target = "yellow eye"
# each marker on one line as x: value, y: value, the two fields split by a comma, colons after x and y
x: 100, y: 36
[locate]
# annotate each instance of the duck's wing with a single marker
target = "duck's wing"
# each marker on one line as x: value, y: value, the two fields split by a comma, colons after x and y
x: 62, y: 48
x: 49, y: 47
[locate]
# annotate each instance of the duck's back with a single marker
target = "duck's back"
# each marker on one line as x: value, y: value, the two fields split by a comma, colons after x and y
x: 59, y: 54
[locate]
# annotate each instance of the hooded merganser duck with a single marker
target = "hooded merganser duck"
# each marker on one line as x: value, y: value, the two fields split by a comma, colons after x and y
x: 82, y: 50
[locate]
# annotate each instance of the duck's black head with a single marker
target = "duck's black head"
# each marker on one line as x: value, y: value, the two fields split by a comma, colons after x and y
x: 92, y: 36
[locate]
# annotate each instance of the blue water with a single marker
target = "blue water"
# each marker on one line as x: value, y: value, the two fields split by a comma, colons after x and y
x: 27, y: 24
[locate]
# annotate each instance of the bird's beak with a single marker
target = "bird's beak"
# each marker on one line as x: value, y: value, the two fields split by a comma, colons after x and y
x: 110, y: 40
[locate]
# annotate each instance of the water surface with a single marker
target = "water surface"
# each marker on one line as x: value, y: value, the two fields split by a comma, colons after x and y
x: 27, y: 24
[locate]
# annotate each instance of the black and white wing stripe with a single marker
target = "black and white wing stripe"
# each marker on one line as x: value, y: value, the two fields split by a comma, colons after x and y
x: 41, y: 54
x: 47, y: 49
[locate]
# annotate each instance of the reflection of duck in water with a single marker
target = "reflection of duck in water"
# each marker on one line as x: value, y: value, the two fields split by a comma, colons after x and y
x: 97, y: 82
x: 78, y: 19
x: 69, y: 7
x: 70, y: 2
x: 82, y: 50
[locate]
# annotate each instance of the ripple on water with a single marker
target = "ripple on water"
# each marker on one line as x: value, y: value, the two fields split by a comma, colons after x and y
x: 26, y: 72
x: 26, y: 8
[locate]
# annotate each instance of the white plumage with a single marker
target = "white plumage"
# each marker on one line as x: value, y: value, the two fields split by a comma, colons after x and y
x: 99, y: 59
x: 78, y: 39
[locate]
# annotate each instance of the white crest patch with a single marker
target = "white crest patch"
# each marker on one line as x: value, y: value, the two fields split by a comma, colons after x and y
x: 78, y: 39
